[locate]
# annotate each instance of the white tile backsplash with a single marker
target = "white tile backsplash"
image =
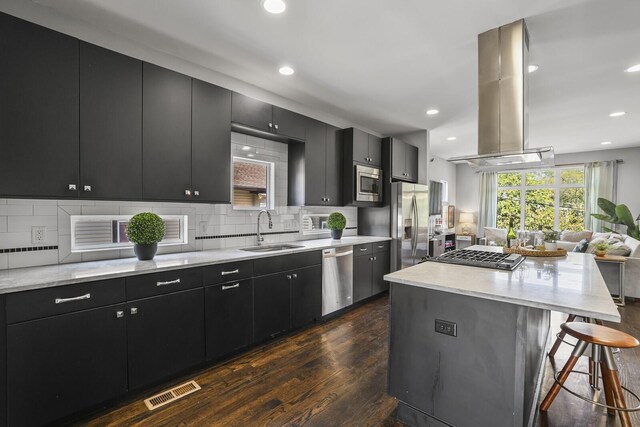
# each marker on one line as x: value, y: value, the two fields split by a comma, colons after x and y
x: 32, y: 259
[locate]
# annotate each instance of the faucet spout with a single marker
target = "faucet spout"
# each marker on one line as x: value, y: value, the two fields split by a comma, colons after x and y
x: 259, y: 237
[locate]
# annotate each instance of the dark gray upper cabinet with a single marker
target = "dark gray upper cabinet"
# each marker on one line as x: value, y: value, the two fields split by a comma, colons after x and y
x: 211, y: 143
x: 375, y: 150
x: 402, y: 158
x: 363, y: 147
x: 288, y: 123
x: 333, y: 167
x: 110, y: 124
x: 315, y: 161
x: 166, y: 126
x: 251, y: 112
x: 38, y: 111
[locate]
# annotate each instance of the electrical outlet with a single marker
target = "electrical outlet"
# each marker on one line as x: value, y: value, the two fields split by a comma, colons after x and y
x: 38, y: 235
x: 447, y: 328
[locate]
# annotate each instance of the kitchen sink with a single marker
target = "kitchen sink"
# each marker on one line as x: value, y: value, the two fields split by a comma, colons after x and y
x: 270, y: 248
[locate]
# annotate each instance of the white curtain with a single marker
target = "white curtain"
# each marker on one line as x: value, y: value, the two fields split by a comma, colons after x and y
x: 601, y: 180
x: 488, y: 201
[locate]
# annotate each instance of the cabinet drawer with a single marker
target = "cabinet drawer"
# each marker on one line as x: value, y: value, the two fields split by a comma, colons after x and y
x: 364, y: 249
x: 276, y: 264
x: 380, y: 247
x: 148, y: 285
x: 232, y: 271
x: 40, y: 303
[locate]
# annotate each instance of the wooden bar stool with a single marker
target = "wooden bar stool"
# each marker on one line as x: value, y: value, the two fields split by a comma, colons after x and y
x: 602, y: 339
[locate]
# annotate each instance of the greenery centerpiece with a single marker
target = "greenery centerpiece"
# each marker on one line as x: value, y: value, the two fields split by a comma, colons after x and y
x: 551, y: 240
x: 617, y: 214
x: 336, y: 223
x: 601, y: 249
x: 145, y: 230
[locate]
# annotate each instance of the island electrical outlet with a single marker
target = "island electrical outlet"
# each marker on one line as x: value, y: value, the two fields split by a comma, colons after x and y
x: 447, y: 328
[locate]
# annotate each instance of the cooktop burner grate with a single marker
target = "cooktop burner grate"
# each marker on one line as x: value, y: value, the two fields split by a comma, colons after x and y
x: 475, y: 258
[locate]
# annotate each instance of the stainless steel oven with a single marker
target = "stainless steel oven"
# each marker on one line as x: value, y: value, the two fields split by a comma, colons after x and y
x: 368, y: 184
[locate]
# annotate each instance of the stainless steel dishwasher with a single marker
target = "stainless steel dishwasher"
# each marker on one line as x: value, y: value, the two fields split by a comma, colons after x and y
x: 337, y: 278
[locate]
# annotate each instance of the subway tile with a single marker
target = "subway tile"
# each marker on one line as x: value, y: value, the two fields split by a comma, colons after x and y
x: 131, y: 210
x: 235, y: 220
x: 166, y: 210
x: 3, y: 201
x: 212, y: 244
x: 76, y: 202
x: 32, y: 202
x: 3, y: 224
x: 24, y: 223
x: 65, y: 256
x: 4, y: 261
x: 100, y: 210
x: 23, y: 209
x: 100, y: 255
x: 45, y: 210
x: 15, y: 240
x: 32, y: 259
x: 238, y: 138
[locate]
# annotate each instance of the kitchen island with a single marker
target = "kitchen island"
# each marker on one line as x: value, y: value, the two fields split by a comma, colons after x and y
x: 468, y: 344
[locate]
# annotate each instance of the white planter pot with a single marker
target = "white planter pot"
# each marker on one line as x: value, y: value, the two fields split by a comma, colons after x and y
x: 550, y: 246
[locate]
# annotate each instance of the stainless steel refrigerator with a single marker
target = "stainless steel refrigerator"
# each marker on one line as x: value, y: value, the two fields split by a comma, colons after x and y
x: 409, y: 224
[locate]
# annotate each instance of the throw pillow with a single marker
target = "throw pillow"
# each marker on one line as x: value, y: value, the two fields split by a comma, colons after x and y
x: 634, y: 245
x: 498, y: 235
x: 619, y: 248
x: 582, y: 246
x: 591, y: 249
x: 575, y: 236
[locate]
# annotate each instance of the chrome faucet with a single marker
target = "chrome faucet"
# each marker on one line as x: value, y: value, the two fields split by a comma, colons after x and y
x: 258, y: 235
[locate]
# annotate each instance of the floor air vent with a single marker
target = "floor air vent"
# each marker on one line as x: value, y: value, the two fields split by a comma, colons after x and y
x: 171, y: 395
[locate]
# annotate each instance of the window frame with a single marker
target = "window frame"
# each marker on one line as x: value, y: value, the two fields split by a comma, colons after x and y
x: 556, y: 187
x: 271, y: 166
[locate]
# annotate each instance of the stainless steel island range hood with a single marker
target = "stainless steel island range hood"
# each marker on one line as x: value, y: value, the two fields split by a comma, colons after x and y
x: 503, y: 60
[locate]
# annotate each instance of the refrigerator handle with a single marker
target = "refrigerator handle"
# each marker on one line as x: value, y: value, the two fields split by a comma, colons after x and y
x: 415, y: 228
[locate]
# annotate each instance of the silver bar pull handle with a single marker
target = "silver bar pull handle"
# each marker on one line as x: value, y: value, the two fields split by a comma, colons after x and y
x: 170, y: 282
x: 224, y: 288
x: 81, y: 297
x: 363, y: 249
x: 224, y: 273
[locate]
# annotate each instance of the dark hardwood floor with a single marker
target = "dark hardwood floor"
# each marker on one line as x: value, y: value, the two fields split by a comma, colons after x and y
x: 335, y: 374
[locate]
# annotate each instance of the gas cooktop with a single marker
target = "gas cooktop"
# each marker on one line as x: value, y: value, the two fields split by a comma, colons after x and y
x: 486, y: 259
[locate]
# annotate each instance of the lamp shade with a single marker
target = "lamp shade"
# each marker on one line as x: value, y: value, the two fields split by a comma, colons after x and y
x: 466, y: 217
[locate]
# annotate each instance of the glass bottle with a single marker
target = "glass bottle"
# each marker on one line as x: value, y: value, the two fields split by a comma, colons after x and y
x: 511, y: 234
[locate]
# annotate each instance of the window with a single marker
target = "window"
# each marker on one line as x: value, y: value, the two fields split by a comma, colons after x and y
x: 252, y: 184
x: 547, y: 198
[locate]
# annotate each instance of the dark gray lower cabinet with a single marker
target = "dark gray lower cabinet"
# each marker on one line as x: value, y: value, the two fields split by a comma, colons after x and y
x: 381, y: 266
x: 165, y: 336
x: 272, y: 305
x: 228, y: 317
x: 362, y: 276
x: 369, y: 270
x: 306, y: 296
x: 63, y: 364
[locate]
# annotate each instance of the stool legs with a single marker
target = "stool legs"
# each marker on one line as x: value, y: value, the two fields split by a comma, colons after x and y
x: 608, y: 389
x: 611, y: 372
x: 581, y: 346
x: 556, y: 345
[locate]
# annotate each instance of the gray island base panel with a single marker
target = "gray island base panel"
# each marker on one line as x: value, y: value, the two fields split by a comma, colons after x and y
x: 490, y: 372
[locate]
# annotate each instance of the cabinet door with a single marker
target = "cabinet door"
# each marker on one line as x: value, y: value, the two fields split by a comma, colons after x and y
x: 315, y: 159
x: 271, y: 305
x: 398, y: 156
x: 411, y: 162
x: 66, y: 363
x: 110, y: 124
x: 306, y: 296
x: 166, y: 125
x: 360, y: 146
x: 211, y: 143
x: 289, y: 123
x: 228, y: 317
x: 333, y: 167
x: 375, y: 151
x: 251, y: 112
x: 381, y: 266
x: 362, y: 274
x: 38, y: 110
x: 165, y: 336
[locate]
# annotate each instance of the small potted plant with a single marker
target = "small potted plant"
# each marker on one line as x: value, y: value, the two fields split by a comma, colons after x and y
x: 145, y: 230
x: 550, y: 240
x: 336, y: 223
x: 601, y: 249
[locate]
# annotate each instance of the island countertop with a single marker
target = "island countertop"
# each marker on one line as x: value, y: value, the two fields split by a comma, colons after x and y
x: 571, y: 284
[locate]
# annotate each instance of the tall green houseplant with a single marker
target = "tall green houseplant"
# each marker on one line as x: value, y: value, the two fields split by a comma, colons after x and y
x: 617, y: 214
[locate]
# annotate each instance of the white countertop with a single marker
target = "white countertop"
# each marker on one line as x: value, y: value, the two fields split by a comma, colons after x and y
x: 571, y: 284
x: 22, y: 279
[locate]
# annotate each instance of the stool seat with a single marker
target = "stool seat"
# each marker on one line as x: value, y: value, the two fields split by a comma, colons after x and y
x: 599, y: 335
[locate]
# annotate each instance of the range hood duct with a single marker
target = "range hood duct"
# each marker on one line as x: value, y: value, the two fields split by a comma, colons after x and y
x: 503, y: 116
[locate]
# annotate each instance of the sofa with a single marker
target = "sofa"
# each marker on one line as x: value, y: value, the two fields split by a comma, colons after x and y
x: 622, y: 245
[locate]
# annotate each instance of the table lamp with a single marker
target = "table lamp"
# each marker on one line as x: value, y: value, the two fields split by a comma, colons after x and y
x: 466, y: 218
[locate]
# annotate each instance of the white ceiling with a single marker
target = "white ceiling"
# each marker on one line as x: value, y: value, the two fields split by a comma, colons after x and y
x: 383, y: 63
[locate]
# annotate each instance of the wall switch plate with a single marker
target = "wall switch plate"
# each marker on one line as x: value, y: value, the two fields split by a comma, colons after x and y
x: 447, y: 328
x: 38, y: 235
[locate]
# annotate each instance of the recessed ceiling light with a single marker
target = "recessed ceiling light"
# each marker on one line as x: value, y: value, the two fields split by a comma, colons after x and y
x: 606, y: 143
x: 286, y: 70
x: 250, y: 155
x: 246, y: 148
x: 451, y: 138
x: 617, y: 114
x: 274, y: 6
x: 432, y: 112
x: 633, y: 69
x: 533, y: 67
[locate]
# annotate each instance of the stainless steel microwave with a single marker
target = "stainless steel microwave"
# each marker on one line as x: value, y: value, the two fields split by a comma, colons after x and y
x: 368, y: 184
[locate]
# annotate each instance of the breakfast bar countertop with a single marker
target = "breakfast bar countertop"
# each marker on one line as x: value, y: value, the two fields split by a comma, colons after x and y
x: 22, y: 279
x: 571, y: 284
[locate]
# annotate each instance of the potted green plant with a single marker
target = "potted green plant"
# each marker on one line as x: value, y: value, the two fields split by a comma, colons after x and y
x: 145, y: 230
x: 601, y: 249
x: 336, y: 223
x: 550, y: 240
